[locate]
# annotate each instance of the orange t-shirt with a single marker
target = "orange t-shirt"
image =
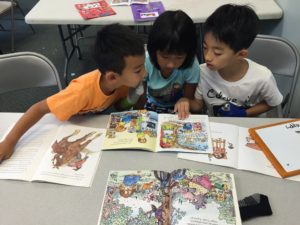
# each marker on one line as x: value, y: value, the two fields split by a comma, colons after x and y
x: 83, y: 95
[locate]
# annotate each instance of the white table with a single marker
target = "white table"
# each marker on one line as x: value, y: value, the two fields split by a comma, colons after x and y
x: 63, y: 12
x: 32, y: 203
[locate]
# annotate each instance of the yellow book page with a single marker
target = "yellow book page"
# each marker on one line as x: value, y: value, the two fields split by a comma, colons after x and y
x: 131, y: 130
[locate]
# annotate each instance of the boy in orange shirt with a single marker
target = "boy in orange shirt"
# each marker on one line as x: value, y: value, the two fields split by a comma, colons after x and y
x: 120, y: 56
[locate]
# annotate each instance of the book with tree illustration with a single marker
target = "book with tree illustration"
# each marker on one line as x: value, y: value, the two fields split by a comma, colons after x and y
x: 64, y: 154
x: 147, y: 130
x: 184, y: 196
x: 234, y: 147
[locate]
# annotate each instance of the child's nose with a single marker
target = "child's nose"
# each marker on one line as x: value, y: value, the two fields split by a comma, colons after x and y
x: 207, y: 56
x: 170, y: 65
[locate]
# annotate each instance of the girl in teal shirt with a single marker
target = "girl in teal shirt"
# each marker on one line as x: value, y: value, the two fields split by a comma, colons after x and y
x: 171, y: 63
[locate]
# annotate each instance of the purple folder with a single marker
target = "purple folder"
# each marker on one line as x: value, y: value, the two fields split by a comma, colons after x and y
x: 147, y: 12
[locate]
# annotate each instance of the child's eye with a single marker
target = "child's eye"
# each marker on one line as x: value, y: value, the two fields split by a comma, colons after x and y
x: 218, y: 53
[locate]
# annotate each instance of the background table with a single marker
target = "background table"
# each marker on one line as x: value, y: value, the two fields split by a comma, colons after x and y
x: 64, y: 12
x: 32, y: 203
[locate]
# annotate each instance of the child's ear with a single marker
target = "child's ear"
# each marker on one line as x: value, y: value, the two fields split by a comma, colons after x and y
x: 243, y: 53
x: 112, y: 76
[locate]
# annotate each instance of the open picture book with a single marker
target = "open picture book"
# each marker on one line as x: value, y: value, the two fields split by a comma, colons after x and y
x: 58, y: 153
x: 234, y: 147
x: 281, y: 144
x: 147, y: 130
x: 184, y: 196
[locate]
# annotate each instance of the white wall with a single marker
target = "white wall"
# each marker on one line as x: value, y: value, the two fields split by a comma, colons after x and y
x: 289, y: 28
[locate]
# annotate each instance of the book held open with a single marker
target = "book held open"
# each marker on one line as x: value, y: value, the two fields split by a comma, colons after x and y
x: 57, y: 153
x: 147, y: 130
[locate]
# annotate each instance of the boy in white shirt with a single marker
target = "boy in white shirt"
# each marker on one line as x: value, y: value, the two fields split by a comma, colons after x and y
x: 230, y: 84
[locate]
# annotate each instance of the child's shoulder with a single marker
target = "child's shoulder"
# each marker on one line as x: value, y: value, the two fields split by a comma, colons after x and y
x: 257, y: 68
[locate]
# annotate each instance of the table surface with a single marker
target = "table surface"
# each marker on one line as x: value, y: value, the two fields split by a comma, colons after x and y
x: 61, y: 12
x: 30, y: 203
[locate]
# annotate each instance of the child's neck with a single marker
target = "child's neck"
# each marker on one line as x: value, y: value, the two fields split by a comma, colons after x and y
x: 106, y: 87
x: 235, y: 72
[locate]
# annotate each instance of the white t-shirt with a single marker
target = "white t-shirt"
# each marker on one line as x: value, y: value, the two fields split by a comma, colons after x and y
x: 256, y: 86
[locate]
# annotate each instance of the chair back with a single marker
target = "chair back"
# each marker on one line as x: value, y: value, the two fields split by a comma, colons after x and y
x: 26, y: 78
x: 282, y: 58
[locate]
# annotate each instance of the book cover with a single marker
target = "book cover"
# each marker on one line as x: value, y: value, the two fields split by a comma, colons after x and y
x: 280, y: 142
x: 147, y: 12
x: 184, y: 196
x: 65, y: 154
x: 128, y: 2
x: 147, y: 130
x: 234, y: 147
x: 94, y: 9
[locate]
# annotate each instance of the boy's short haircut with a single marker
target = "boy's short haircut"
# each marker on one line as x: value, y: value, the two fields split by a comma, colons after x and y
x: 173, y: 32
x: 113, y: 43
x: 234, y: 25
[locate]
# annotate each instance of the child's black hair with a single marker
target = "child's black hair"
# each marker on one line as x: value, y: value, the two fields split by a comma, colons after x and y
x: 234, y: 25
x: 173, y: 32
x: 113, y: 43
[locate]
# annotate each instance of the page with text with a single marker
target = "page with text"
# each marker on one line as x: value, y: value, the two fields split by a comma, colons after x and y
x: 28, y: 152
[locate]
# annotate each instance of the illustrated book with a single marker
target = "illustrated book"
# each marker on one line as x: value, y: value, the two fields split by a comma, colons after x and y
x: 184, y: 196
x: 128, y: 2
x: 234, y: 147
x: 57, y: 153
x: 147, y: 12
x: 94, y: 9
x: 147, y: 130
x: 280, y: 142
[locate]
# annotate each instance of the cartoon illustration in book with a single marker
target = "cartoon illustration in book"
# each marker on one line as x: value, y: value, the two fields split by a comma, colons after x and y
x: 251, y: 143
x: 72, y: 153
x: 139, y: 124
x: 162, y: 198
x: 188, y: 135
x: 219, y: 149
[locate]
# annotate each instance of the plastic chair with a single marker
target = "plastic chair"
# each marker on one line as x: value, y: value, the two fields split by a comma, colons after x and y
x: 282, y: 58
x: 26, y: 78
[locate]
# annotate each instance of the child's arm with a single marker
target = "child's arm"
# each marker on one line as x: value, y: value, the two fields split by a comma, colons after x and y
x: 236, y: 111
x: 30, y: 117
x: 182, y: 106
x: 258, y: 109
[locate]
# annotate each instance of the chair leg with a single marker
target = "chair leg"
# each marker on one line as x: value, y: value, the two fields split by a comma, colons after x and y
x: 12, y: 30
x: 22, y: 12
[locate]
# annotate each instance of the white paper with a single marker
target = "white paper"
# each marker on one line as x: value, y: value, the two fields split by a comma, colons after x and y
x: 284, y: 143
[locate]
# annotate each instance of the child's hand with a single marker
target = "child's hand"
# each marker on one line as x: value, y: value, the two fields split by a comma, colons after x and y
x: 231, y: 110
x: 182, y: 108
x: 6, y: 150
